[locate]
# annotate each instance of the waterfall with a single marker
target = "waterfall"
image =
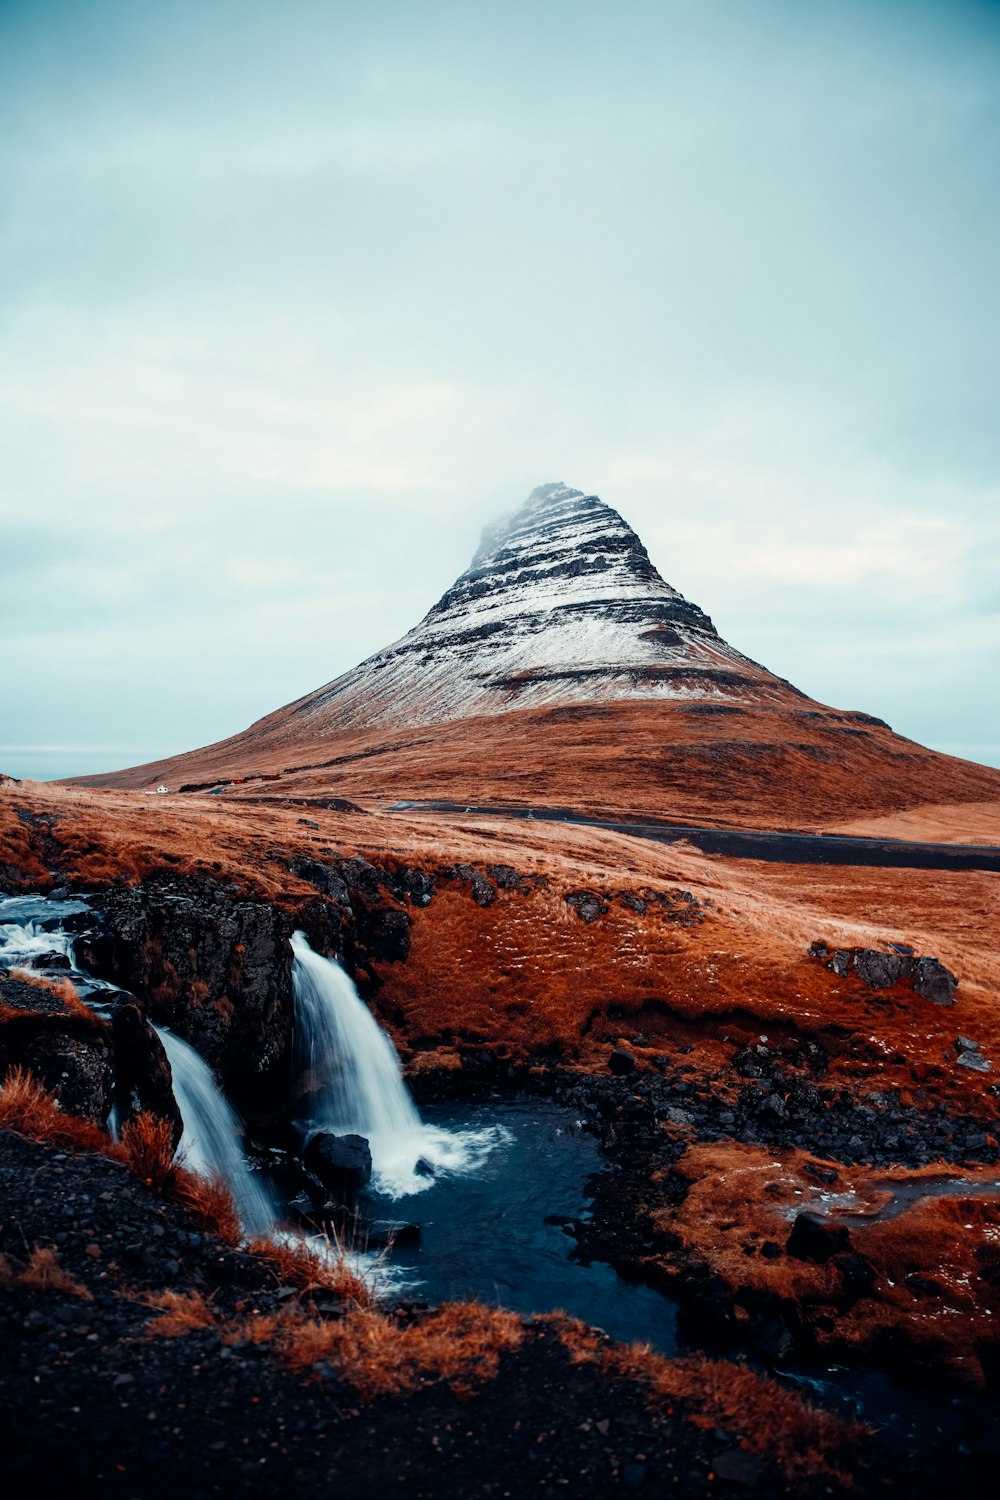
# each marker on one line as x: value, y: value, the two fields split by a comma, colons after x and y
x: 352, y: 1083
x: 210, y: 1145
x: 23, y: 943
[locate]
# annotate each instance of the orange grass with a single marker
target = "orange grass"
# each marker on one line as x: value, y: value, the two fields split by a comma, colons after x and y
x: 147, y: 1149
x: 182, y: 1312
x: 740, y: 1196
x: 295, y: 1264
x: 64, y: 990
x: 28, y: 1109
x: 460, y: 1343
x: 43, y: 1273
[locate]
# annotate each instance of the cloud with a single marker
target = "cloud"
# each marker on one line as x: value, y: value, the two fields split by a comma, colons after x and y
x: 294, y: 299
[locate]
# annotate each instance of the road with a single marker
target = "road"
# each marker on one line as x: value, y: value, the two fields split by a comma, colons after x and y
x: 752, y: 843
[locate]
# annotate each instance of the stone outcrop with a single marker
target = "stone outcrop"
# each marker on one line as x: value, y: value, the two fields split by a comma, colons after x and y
x: 881, y: 970
x: 213, y: 966
x: 143, y: 1081
x: 71, y: 1056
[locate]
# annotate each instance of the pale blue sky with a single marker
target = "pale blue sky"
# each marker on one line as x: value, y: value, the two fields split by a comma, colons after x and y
x: 295, y: 297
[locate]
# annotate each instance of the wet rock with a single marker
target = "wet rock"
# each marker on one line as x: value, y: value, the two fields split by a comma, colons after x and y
x: 587, y: 905
x: 814, y: 1238
x: 343, y: 1163
x: 213, y: 965
x: 934, y: 982
x: 69, y: 1055
x: 143, y: 1081
x: 381, y: 1233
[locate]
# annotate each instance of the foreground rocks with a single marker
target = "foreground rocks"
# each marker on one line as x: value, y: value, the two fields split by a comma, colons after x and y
x: 124, y: 1372
x: 342, y: 1163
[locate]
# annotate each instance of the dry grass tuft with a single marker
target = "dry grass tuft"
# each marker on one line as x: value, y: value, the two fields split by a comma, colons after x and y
x: 182, y: 1312
x: 461, y: 1343
x: 29, y: 1109
x: 43, y: 1273
x: 767, y: 1418
x: 295, y: 1264
x: 147, y: 1146
x: 64, y: 990
x: 148, y: 1149
x: 211, y: 1203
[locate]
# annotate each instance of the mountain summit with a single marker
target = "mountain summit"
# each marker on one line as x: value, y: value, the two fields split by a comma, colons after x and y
x: 560, y: 603
x: 560, y: 669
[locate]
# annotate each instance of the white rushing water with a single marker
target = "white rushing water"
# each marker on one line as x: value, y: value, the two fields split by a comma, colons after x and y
x: 353, y: 1083
x: 21, y: 943
x: 210, y: 1145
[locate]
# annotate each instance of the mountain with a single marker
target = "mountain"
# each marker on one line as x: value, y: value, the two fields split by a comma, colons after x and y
x: 561, y: 604
x: 560, y: 669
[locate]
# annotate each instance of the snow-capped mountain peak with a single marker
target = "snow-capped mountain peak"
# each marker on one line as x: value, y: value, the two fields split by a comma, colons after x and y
x: 561, y: 603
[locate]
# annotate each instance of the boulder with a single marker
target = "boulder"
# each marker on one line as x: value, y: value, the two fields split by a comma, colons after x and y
x: 882, y: 970
x: 587, y: 905
x: 974, y: 1060
x: 814, y: 1238
x: 343, y: 1163
x: 934, y: 982
x: 621, y: 1062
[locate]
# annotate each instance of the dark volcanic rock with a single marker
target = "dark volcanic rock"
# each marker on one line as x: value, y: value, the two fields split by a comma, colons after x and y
x: 587, y: 905
x: 325, y: 878
x: 882, y: 970
x: 343, y: 1163
x: 142, y: 1072
x: 932, y: 980
x: 69, y: 1055
x: 621, y: 1062
x: 212, y: 965
x: 389, y: 937
x: 814, y: 1238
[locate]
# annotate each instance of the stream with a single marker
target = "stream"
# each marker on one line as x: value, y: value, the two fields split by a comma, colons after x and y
x: 489, y: 1192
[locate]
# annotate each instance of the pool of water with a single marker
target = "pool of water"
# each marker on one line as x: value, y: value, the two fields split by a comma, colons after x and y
x: 489, y: 1235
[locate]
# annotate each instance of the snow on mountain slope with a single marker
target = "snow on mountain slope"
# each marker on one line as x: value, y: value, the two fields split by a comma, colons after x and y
x: 560, y: 604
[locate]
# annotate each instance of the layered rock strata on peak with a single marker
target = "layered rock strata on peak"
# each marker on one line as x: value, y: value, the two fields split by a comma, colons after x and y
x: 560, y: 604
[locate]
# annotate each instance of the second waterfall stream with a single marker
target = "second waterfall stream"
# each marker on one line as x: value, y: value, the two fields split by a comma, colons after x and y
x: 352, y: 1083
